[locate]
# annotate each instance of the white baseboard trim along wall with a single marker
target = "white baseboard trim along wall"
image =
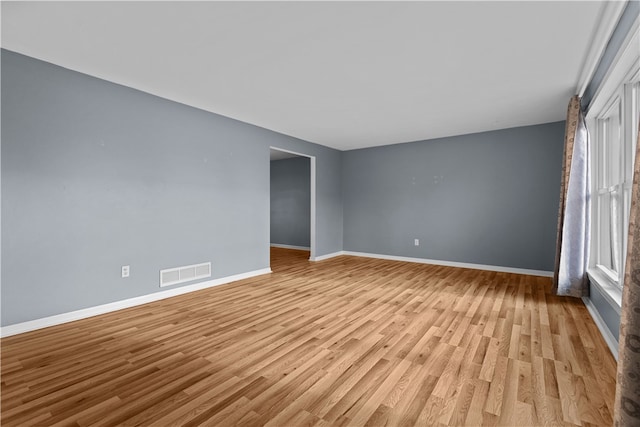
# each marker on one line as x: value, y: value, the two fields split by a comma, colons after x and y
x: 438, y: 262
x: 327, y: 256
x: 611, y: 341
x: 301, y: 248
x: 59, y: 319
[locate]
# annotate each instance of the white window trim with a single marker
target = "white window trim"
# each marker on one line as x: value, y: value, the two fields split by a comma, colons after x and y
x: 610, y: 15
x: 620, y: 68
x: 624, y: 68
x: 611, y: 292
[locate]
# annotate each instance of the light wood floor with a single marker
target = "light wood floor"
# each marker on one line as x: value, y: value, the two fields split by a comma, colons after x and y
x: 346, y: 341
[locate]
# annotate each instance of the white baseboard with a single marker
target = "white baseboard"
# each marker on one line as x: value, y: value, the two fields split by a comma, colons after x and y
x: 453, y: 264
x: 59, y: 319
x: 611, y: 341
x: 300, y: 248
x: 327, y: 256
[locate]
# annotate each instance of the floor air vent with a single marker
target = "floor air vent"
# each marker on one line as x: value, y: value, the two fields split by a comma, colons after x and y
x: 173, y: 276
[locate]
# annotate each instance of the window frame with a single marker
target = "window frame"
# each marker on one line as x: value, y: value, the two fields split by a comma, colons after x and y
x: 604, y: 187
x: 619, y: 89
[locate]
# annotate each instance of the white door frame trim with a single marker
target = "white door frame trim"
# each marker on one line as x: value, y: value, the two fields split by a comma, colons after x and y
x: 312, y: 231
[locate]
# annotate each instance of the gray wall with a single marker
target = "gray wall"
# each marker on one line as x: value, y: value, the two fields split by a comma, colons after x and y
x: 610, y: 316
x: 487, y: 198
x: 96, y: 175
x: 291, y: 201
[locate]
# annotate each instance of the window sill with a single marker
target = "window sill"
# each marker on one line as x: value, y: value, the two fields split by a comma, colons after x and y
x: 607, y: 287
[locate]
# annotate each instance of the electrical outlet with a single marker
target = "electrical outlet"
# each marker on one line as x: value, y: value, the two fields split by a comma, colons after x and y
x: 416, y: 242
x: 125, y: 271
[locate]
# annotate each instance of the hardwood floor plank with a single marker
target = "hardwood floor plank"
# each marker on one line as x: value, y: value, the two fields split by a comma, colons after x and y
x: 507, y: 413
x: 568, y: 393
x: 494, y: 402
x: 490, y: 360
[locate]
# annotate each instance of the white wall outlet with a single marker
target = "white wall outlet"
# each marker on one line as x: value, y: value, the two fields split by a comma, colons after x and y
x: 125, y: 271
x: 416, y: 242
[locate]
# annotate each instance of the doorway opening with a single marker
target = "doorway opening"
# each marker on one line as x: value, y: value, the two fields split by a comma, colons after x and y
x: 292, y: 201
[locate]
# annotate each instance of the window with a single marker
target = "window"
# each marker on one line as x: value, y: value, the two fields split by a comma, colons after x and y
x: 613, y: 130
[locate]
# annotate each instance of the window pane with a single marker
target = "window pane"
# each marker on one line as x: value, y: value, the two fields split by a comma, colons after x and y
x: 614, y: 147
x: 633, y: 101
x: 625, y: 224
x: 615, y: 231
x: 635, y: 123
x: 604, y: 238
x: 636, y: 109
x: 601, y: 154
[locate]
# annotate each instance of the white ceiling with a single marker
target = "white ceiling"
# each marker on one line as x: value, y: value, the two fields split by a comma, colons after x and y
x: 342, y: 74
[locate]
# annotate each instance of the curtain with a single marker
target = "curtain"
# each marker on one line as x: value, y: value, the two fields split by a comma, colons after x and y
x: 627, y: 403
x: 572, y: 249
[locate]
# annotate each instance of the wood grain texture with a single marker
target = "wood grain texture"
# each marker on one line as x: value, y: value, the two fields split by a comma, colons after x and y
x: 346, y: 341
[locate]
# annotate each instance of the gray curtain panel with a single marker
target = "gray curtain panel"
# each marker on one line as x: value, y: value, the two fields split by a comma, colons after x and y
x: 572, y: 251
x: 627, y: 403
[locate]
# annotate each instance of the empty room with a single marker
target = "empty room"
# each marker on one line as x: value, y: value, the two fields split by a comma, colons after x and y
x: 320, y: 213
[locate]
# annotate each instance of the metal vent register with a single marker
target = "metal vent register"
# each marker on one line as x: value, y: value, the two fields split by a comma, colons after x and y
x: 173, y: 276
